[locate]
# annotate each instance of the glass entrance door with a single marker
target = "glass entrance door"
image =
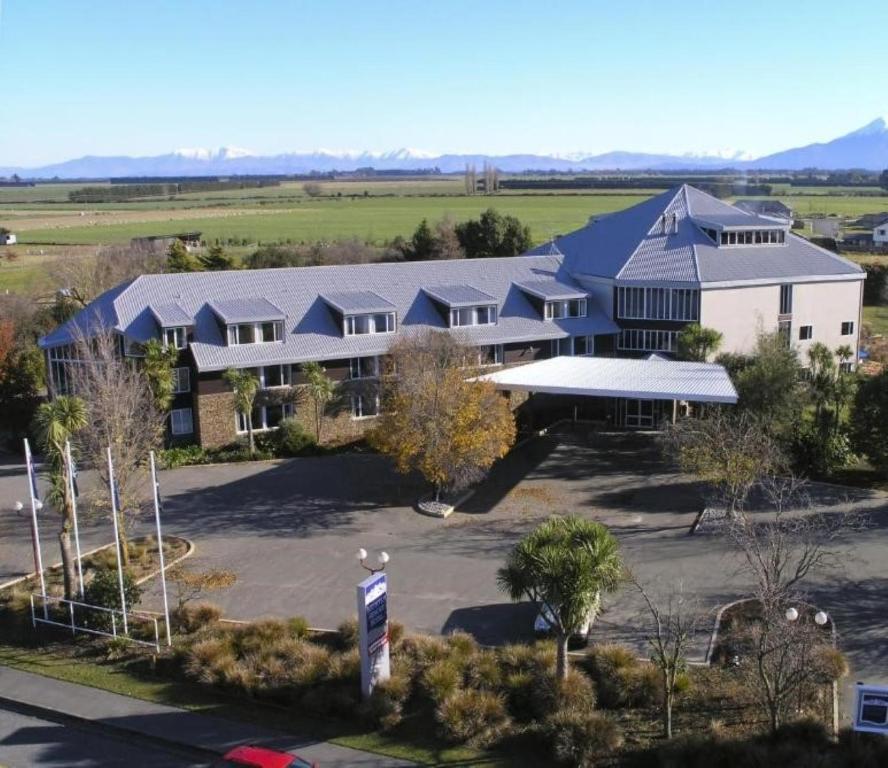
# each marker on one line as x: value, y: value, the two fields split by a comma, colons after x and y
x: 639, y: 414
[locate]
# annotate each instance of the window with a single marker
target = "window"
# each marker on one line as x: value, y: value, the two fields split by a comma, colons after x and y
x: 846, y: 367
x: 753, y: 237
x: 181, y: 380
x: 255, y: 333
x: 276, y: 376
x: 355, y: 325
x: 175, y: 337
x: 181, y: 421
x: 265, y: 417
x: 584, y: 345
x: 472, y: 316
x: 643, y: 340
x: 364, y: 406
x: 806, y: 332
x: 569, y: 308
x: 658, y: 303
x: 848, y: 328
x: 363, y: 367
x: 786, y: 299
x: 491, y: 354
x: 784, y: 329
x: 562, y: 347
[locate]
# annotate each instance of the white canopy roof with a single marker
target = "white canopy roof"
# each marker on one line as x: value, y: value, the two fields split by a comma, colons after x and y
x: 656, y: 379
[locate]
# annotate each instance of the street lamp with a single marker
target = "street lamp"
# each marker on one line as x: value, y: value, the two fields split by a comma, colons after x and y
x: 820, y: 618
x: 382, y: 558
x: 791, y: 614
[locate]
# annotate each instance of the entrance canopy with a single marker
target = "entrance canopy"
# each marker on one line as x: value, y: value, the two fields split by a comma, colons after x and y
x: 654, y: 379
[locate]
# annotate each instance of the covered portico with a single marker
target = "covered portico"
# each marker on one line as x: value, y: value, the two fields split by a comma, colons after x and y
x: 638, y: 393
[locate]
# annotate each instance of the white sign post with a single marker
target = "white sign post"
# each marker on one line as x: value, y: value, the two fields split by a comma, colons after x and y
x: 871, y: 709
x: 373, y: 626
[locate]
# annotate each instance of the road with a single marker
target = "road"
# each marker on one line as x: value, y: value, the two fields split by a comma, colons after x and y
x: 27, y: 741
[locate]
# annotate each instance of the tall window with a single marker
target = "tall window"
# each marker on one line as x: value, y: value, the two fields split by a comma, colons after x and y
x: 364, y: 406
x: 181, y: 380
x: 786, y: 299
x: 472, y: 316
x: 658, y: 303
x: 181, y: 421
x: 265, y: 417
x: 491, y: 354
x: 556, y: 310
x: 584, y: 345
x: 355, y: 325
x: 848, y: 328
x: 175, y: 337
x: 276, y: 376
x: 363, y: 367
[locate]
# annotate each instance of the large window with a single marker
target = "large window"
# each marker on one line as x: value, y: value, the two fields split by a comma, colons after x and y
x: 265, y: 417
x: 573, y: 345
x: 570, y: 308
x: 175, y: 337
x: 644, y: 340
x: 356, y: 325
x: 364, y: 406
x: 276, y: 376
x: 181, y: 380
x: 363, y: 367
x: 472, y: 316
x: 806, y: 332
x: 786, y: 299
x: 658, y: 303
x: 255, y: 333
x: 754, y: 237
x: 491, y: 354
x: 60, y: 361
x: 181, y: 421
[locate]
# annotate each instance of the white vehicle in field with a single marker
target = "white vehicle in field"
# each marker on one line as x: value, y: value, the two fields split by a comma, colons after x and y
x: 544, y: 622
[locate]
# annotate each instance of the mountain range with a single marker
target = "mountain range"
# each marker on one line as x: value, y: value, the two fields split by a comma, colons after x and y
x: 865, y: 148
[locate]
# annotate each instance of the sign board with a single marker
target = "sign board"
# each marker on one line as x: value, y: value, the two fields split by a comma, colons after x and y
x: 373, y: 626
x: 871, y: 710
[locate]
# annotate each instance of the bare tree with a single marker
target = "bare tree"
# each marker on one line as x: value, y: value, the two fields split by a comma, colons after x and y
x: 673, y: 627
x: 780, y: 552
x: 122, y: 414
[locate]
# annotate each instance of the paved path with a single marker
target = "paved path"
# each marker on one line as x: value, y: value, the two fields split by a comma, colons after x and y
x: 166, y: 725
x: 31, y: 740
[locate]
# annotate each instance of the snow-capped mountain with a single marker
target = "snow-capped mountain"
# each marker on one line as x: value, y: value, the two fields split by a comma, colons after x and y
x: 867, y: 148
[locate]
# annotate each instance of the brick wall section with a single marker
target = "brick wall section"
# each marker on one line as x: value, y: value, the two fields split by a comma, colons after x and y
x: 214, y: 418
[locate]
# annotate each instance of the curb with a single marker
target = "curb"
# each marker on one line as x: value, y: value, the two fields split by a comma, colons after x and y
x: 66, y: 718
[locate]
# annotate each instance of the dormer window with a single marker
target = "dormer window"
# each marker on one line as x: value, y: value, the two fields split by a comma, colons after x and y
x: 356, y: 325
x: 255, y: 333
x: 556, y: 310
x: 753, y: 237
x: 466, y: 316
x: 177, y: 337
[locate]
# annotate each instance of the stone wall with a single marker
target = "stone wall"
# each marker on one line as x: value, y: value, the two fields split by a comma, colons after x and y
x: 214, y: 417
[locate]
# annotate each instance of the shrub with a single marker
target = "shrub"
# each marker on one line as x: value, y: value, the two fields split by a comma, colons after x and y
x: 613, y: 668
x: 311, y: 663
x: 210, y: 660
x: 260, y: 636
x: 293, y: 439
x: 462, y: 644
x: 396, y: 633
x: 298, y: 627
x: 190, y: 618
x: 104, y: 590
x: 424, y: 650
x: 830, y: 664
x: 182, y: 456
x: 575, y: 693
x: 385, y: 707
x: 441, y: 679
x: 348, y: 633
x: 473, y: 717
x: 581, y: 738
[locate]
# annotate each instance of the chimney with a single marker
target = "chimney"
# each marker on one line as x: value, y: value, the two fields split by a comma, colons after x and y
x: 663, y: 223
x: 675, y: 222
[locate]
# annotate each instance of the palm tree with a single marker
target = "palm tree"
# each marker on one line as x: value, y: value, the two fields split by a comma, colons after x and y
x: 563, y: 566
x: 56, y: 422
x: 245, y: 386
x: 321, y: 389
x: 158, y: 367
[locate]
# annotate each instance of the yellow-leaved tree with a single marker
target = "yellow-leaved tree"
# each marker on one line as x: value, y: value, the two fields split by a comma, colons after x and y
x: 436, y: 421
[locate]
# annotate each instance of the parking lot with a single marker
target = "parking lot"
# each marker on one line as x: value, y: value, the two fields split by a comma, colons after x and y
x: 290, y: 530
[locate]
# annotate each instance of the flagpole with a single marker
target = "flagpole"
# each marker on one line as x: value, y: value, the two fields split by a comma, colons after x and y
x: 73, y: 494
x: 35, y: 530
x: 163, y: 583
x: 117, y: 539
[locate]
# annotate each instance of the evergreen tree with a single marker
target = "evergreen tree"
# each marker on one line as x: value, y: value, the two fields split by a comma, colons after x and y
x: 178, y: 258
x: 215, y: 260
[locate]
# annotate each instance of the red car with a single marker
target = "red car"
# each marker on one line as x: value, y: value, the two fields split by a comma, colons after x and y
x: 260, y: 757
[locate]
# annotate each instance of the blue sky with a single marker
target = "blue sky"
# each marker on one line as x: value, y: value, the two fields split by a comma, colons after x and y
x: 144, y: 77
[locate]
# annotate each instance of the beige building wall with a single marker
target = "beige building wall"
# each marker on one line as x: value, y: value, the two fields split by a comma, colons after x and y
x: 740, y: 313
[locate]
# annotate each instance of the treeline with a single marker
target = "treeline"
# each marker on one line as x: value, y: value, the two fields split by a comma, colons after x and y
x: 117, y: 193
x: 719, y: 188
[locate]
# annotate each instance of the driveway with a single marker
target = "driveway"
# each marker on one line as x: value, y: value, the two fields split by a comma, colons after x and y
x: 289, y: 529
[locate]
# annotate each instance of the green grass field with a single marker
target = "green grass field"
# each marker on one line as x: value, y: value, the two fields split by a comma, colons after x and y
x: 374, y: 219
x: 877, y: 319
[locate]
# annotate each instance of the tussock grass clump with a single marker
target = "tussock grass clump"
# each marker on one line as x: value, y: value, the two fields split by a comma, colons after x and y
x: 473, y: 717
x: 582, y: 738
x: 386, y: 704
x: 192, y: 617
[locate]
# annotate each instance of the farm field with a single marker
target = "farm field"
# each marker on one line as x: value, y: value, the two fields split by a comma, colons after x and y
x: 375, y: 219
x: 877, y: 319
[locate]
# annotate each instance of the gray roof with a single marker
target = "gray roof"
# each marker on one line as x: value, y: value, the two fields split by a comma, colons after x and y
x: 171, y: 316
x: 357, y: 302
x: 459, y: 295
x: 311, y: 329
x: 775, y: 208
x: 552, y: 289
x: 245, y: 309
x: 630, y: 246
